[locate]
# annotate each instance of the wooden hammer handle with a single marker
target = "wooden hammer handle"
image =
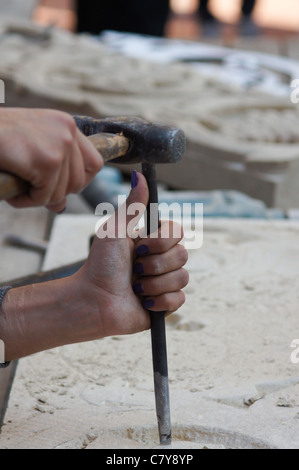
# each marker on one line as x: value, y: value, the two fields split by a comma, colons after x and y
x: 110, y: 146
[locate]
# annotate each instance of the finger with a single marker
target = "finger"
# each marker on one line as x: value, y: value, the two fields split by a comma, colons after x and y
x: 59, y: 207
x: 136, y: 202
x: 92, y: 160
x: 155, y: 265
x: 167, y: 303
x: 72, y: 178
x: 122, y: 223
x: 167, y: 236
x: 76, y: 179
x: 157, y: 285
x: 38, y: 195
x: 60, y: 190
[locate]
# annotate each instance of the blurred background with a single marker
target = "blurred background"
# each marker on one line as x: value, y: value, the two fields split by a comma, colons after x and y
x: 183, y: 19
x: 231, y: 95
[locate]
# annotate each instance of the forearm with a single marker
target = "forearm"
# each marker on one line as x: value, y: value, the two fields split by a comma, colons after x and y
x: 44, y: 316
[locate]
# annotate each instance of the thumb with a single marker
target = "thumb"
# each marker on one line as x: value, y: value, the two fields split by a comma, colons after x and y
x: 130, y: 213
x: 123, y: 222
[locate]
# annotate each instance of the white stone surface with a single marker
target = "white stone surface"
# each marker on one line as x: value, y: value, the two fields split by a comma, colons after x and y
x: 238, y: 139
x: 17, y: 8
x: 232, y: 382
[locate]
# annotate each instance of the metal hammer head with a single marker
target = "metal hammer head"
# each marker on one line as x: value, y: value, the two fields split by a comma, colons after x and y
x: 149, y: 142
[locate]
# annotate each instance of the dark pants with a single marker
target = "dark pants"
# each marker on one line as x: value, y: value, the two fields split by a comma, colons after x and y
x: 132, y: 16
x: 247, y: 8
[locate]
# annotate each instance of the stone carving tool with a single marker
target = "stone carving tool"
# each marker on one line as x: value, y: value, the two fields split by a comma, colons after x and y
x: 122, y: 140
x: 132, y: 140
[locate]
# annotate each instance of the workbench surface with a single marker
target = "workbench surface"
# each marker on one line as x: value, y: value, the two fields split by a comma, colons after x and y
x: 233, y: 374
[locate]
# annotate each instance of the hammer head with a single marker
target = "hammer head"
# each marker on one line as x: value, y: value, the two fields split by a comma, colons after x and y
x: 149, y: 142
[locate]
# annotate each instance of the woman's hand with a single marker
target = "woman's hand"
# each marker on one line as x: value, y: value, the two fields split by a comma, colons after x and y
x: 45, y: 148
x: 123, y: 278
x: 128, y: 276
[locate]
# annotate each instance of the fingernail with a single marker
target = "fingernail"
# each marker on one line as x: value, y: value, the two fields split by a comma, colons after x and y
x: 148, y: 303
x: 61, y: 212
x: 138, y: 289
x: 142, y: 250
x: 134, y: 180
x: 138, y: 268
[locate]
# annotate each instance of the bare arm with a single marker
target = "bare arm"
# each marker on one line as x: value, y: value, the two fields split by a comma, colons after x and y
x: 62, y: 14
x: 110, y: 295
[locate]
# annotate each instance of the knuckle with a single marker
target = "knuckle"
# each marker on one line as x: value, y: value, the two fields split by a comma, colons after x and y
x: 167, y: 301
x: 163, y: 244
x: 67, y: 140
x: 57, y: 197
x: 177, y: 231
x: 97, y: 165
x: 182, y: 255
x: 67, y: 133
x: 184, y: 277
x: 156, y: 266
x: 153, y: 285
x: 180, y: 299
x: 40, y: 196
x: 52, y: 161
x: 170, y: 229
x: 78, y: 183
x: 68, y: 122
x: 172, y: 302
x: 92, y: 167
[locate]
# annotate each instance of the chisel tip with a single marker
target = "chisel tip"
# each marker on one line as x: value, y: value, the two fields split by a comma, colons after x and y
x: 165, y: 440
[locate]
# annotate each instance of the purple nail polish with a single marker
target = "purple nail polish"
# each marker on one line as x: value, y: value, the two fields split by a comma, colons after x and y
x: 134, y: 180
x: 149, y: 303
x: 142, y: 250
x: 138, y: 268
x: 138, y: 289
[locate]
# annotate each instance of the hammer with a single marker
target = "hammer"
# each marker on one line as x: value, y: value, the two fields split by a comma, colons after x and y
x: 149, y: 144
x: 129, y: 140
